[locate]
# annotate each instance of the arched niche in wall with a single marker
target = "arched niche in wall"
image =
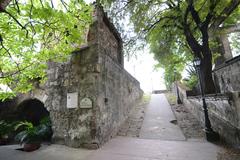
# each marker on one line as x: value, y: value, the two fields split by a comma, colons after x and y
x: 32, y: 110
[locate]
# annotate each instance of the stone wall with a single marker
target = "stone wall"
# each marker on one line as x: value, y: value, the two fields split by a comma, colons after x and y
x: 95, y: 73
x: 118, y: 93
x: 224, y: 114
x: 224, y: 107
x: 227, y: 76
x: 90, y: 95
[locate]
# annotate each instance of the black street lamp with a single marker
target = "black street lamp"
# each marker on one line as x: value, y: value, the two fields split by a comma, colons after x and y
x: 178, y: 97
x: 210, y: 134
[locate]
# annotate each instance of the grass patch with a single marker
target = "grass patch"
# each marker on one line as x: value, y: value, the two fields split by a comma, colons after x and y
x: 146, y: 98
x: 172, y: 99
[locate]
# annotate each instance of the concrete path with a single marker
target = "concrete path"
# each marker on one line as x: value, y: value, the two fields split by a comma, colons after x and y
x: 156, y: 124
x: 160, y: 140
x: 52, y: 152
x: 120, y: 148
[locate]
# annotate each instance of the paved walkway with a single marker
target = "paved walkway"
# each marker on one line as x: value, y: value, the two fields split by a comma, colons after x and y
x: 155, y: 143
x: 120, y: 148
x: 156, y: 124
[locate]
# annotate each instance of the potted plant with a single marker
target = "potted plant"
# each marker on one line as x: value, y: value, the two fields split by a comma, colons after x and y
x: 45, y: 129
x: 31, y: 136
x: 28, y: 136
x: 5, y: 129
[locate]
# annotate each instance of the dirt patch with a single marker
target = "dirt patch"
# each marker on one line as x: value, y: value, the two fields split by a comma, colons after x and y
x: 189, y: 125
x: 229, y: 153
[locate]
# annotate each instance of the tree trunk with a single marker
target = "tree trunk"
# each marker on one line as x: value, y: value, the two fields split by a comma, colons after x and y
x: 206, y: 73
x: 203, y: 50
x: 204, y: 53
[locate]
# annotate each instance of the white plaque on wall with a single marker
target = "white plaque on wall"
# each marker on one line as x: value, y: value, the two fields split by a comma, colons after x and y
x: 72, y: 100
x: 86, y: 103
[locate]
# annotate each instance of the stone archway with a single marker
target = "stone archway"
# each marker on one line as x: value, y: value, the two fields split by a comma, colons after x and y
x: 32, y: 110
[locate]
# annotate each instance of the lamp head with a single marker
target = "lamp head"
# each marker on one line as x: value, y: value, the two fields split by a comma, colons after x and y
x: 196, y: 62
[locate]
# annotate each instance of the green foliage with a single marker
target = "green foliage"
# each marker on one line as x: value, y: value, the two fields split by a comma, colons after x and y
x: 146, y: 98
x: 6, y: 95
x: 34, y: 32
x: 33, y: 134
x: 177, y: 30
x: 29, y: 134
x: 5, y: 128
x: 44, y: 127
x: 172, y: 99
x: 191, y: 81
x: 170, y: 77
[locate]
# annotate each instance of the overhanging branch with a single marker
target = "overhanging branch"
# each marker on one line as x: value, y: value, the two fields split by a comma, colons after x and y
x: 153, y: 25
x: 192, y: 42
x: 225, y: 13
x: 230, y: 29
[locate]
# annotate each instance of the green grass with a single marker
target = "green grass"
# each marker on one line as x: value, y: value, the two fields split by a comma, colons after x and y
x: 171, y: 98
x: 146, y: 98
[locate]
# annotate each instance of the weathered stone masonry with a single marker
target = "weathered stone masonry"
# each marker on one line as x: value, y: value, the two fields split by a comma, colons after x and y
x: 224, y: 108
x: 227, y: 76
x: 94, y: 73
x: 89, y: 96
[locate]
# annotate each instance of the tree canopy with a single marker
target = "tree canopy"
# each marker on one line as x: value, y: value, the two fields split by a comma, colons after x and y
x: 36, y: 31
x: 180, y: 29
x: 33, y: 32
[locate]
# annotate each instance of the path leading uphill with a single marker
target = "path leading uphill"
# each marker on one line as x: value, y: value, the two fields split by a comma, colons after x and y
x: 159, y: 140
x: 159, y: 121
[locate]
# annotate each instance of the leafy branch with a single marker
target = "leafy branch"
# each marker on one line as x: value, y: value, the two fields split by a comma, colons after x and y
x: 34, y: 32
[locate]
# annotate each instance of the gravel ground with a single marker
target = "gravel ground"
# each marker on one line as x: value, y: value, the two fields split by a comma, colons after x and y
x: 187, y: 122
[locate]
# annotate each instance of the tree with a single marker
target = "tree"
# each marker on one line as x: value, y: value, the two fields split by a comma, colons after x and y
x: 181, y: 25
x: 34, y: 32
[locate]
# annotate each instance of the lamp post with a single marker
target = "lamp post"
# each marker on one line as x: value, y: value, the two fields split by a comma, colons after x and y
x: 178, y: 97
x: 210, y: 134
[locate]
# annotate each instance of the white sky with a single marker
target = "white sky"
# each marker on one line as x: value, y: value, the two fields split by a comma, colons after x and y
x: 89, y: 1
x: 142, y: 68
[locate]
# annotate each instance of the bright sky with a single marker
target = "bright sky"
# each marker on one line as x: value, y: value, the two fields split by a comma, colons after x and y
x: 89, y: 1
x: 142, y: 68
